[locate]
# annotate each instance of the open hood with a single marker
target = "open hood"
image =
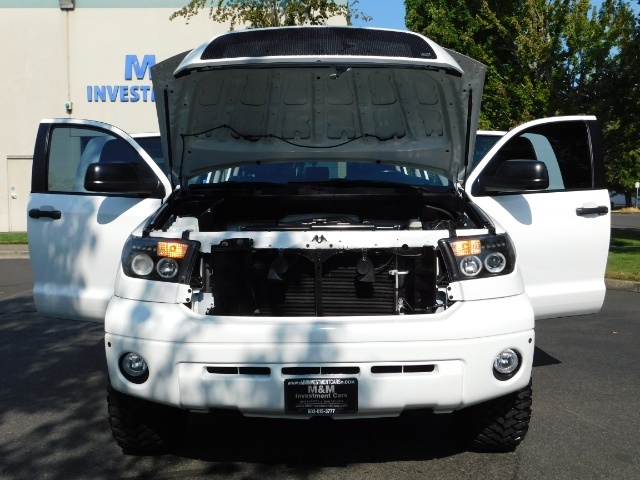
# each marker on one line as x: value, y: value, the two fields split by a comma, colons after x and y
x: 317, y: 93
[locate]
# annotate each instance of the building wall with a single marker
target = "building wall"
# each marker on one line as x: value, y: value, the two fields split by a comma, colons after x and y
x: 90, y: 56
x: 51, y: 56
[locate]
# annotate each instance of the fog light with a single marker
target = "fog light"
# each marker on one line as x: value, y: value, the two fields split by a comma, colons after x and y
x: 133, y: 365
x: 506, y: 362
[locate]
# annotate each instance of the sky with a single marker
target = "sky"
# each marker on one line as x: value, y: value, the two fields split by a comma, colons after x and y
x: 390, y: 13
x: 385, y: 13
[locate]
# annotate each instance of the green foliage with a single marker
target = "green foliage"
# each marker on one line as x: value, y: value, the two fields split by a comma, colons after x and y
x: 546, y: 58
x: 509, y: 37
x: 624, y: 250
x: 622, y: 137
x: 13, y: 238
x: 620, y: 110
x: 590, y: 43
x: 272, y: 13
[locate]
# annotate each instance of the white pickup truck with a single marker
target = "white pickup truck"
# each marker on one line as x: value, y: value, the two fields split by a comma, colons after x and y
x: 317, y: 238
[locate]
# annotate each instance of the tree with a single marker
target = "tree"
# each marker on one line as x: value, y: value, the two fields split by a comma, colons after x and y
x: 550, y: 57
x: 272, y: 13
x: 542, y: 56
x: 590, y: 46
x: 509, y: 37
x: 619, y: 84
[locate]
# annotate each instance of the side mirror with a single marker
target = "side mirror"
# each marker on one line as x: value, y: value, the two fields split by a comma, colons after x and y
x: 120, y: 178
x: 517, y: 176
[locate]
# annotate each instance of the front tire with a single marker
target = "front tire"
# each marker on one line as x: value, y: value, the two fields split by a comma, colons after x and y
x: 142, y: 427
x: 498, y: 425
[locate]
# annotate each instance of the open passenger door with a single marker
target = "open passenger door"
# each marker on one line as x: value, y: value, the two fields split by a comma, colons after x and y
x: 561, y: 232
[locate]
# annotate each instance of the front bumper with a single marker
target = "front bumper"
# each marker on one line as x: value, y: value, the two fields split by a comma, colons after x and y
x: 186, y: 354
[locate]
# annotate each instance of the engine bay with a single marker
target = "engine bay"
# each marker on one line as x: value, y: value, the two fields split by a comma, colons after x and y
x: 332, y: 256
x: 309, y: 208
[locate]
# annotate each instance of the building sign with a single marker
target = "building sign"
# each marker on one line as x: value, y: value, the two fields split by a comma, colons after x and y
x: 128, y: 92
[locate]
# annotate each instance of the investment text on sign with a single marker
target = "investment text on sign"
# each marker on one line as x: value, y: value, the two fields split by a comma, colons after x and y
x: 127, y: 92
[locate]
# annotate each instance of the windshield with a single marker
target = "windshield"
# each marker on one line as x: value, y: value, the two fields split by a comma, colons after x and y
x: 322, y: 172
x: 153, y: 146
x: 484, y: 142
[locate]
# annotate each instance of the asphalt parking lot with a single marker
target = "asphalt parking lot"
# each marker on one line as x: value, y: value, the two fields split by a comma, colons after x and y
x: 53, y: 423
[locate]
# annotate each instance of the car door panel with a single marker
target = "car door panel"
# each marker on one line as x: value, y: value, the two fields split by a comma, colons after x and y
x: 561, y: 233
x: 81, y: 251
x: 562, y: 271
x: 76, y: 237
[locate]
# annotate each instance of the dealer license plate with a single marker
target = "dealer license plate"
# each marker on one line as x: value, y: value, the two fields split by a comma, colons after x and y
x: 321, y: 396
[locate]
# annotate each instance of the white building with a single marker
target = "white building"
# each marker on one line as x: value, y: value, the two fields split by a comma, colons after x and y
x: 81, y: 59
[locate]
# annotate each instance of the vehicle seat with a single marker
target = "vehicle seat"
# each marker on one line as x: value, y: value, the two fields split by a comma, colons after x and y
x: 90, y: 154
x: 117, y: 150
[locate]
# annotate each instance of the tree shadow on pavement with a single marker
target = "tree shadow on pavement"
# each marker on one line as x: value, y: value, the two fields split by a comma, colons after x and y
x: 50, y: 374
x: 53, y: 419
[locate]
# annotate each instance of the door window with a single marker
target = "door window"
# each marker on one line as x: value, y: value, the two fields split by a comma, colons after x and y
x: 72, y: 150
x: 563, y: 147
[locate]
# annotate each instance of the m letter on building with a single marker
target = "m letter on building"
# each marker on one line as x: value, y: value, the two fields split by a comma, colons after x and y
x: 132, y: 64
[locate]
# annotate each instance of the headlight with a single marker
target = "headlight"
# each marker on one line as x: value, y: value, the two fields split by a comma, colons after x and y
x: 470, y: 266
x: 160, y: 259
x: 167, y: 268
x: 495, y: 262
x: 479, y: 256
x: 141, y: 264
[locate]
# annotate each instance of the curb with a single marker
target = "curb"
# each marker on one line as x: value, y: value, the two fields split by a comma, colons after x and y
x: 9, y: 254
x: 622, y: 285
x: 8, y: 250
